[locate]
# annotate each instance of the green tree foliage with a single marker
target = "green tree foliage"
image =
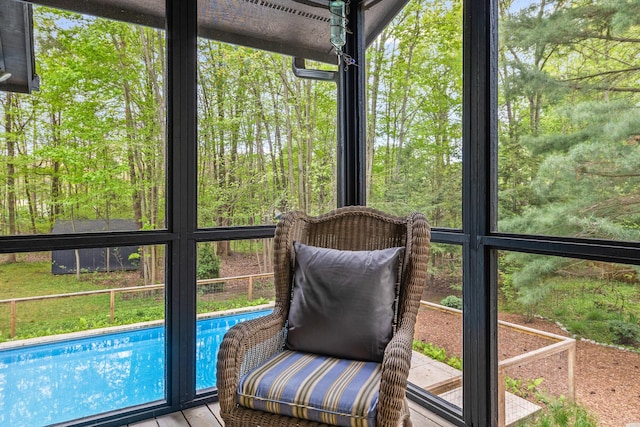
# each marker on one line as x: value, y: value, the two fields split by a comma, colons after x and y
x: 416, y: 70
x: 588, y: 185
x: 569, y: 147
x: 91, y: 143
x: 267, y: 137
x: 571, y: 71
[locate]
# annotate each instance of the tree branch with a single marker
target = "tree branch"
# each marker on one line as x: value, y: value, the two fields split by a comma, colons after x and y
x: 606, y: 88
x: 611, y: 175
x: 610, y: 38
x: 604, y: 73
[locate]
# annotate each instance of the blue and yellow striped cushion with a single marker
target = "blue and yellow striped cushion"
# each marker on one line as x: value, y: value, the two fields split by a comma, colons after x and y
x: 318, y: 388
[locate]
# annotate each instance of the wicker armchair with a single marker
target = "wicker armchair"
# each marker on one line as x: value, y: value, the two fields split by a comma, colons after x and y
x: 248, y: 344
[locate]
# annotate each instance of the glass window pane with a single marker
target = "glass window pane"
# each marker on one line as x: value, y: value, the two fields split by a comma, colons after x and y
x: 76, y: 342
x: 437, y: 363
x: 414, y: 135
x: 568, y: 101
x: 234, y: 284
x: 544, y: 303
x: 266, y: 139
x: 86, y: 151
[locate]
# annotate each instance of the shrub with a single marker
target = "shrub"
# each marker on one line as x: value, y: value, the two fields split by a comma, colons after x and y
x: 577, y: 327
x: 527, y: 389
x: 437, y: 353
x: 208, y: 267
x: 562, y: 413
x: 506, y: 289
x: 596, y: 315
x: 530, y: 298
x: 624, y: 332
x: 452, y: 301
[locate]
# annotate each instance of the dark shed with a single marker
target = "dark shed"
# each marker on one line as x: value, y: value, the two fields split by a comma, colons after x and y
x: 94, y: 259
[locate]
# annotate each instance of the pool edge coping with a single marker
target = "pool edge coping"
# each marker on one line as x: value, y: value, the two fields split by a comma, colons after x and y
x: 11, y: 345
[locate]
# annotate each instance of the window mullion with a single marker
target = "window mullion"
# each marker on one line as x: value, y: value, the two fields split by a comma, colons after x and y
x: 181, y: 199
x: 479, y: 207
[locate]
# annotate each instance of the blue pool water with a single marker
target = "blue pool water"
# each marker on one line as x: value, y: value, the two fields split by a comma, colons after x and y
x: 52, y: 383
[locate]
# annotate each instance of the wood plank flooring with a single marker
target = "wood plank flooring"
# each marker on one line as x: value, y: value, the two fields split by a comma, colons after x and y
x: 424, y: 373
x: 209, y: 416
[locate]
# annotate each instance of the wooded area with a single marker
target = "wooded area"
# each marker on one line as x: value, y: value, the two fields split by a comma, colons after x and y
x: 91, y: 143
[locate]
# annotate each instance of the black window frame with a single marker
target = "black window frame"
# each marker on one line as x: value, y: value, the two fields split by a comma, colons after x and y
x: 478, y: 237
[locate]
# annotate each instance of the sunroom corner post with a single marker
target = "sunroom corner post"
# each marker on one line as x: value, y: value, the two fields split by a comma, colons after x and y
x: 181, y: 199
x: 352, y: 112
x: 480, y: 376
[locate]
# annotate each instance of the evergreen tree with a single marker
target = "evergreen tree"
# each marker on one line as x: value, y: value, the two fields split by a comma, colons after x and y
x: 569, y: 144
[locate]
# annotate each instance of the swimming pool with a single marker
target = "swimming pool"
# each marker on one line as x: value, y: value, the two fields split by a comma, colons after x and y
x: 51, y: 383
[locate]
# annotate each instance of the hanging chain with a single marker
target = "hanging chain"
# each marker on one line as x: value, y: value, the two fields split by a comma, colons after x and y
x: 348, y: 61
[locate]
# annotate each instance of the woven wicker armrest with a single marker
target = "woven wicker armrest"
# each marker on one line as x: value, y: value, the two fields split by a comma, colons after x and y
x: 245, y: 346
x: 395, y: 371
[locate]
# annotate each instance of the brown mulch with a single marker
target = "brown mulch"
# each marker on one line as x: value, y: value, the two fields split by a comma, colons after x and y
x: 607, y: 380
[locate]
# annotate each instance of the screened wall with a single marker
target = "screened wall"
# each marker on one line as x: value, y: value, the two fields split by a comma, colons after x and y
x: 189, y: 120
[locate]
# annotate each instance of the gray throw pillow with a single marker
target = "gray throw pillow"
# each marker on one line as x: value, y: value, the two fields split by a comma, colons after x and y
x: 343, y: 301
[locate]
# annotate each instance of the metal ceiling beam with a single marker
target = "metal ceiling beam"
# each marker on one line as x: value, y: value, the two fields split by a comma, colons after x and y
x: 290, y: 27
x: 298, y: 28
x: 314, y: 3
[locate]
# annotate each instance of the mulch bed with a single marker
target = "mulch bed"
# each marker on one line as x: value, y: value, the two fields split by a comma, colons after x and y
x: 607, y: 380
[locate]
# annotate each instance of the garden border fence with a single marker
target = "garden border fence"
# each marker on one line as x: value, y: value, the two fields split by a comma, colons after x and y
x: 112, y: 292
x: 561, y: 344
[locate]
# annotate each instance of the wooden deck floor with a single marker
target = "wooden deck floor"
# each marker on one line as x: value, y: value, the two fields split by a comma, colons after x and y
x: 209, y: 416
x: 425, y: 373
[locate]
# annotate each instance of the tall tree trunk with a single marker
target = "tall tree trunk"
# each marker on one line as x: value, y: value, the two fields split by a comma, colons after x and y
x: 301, y: 165
x: 272, y: 154
x: 403, y: 119
x: 375, y: 72
x: 56, y: 187
x: 223, y: 248
x: 31, y: 203
x: 289, y: 142
x: 150, y: 41
x: 276, y: 104
x: 310, y: 120
x: 388, y: 131
x: 11, y: 154
x: 30, y: 187
x: 136, y: 197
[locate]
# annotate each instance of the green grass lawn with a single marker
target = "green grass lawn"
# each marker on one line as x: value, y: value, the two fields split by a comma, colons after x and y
x: 587, y: 307
x: 56, y: 316
x: 26, y: 279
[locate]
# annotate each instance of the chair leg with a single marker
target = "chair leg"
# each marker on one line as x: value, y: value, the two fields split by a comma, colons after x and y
x: 406, y: 419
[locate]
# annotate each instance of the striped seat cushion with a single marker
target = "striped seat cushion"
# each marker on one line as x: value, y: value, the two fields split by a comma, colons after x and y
x: 317, y: 388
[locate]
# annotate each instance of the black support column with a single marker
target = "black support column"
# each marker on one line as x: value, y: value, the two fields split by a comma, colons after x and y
x: 181, y: 200
x: 479, y: 212
x: 352, y: 112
